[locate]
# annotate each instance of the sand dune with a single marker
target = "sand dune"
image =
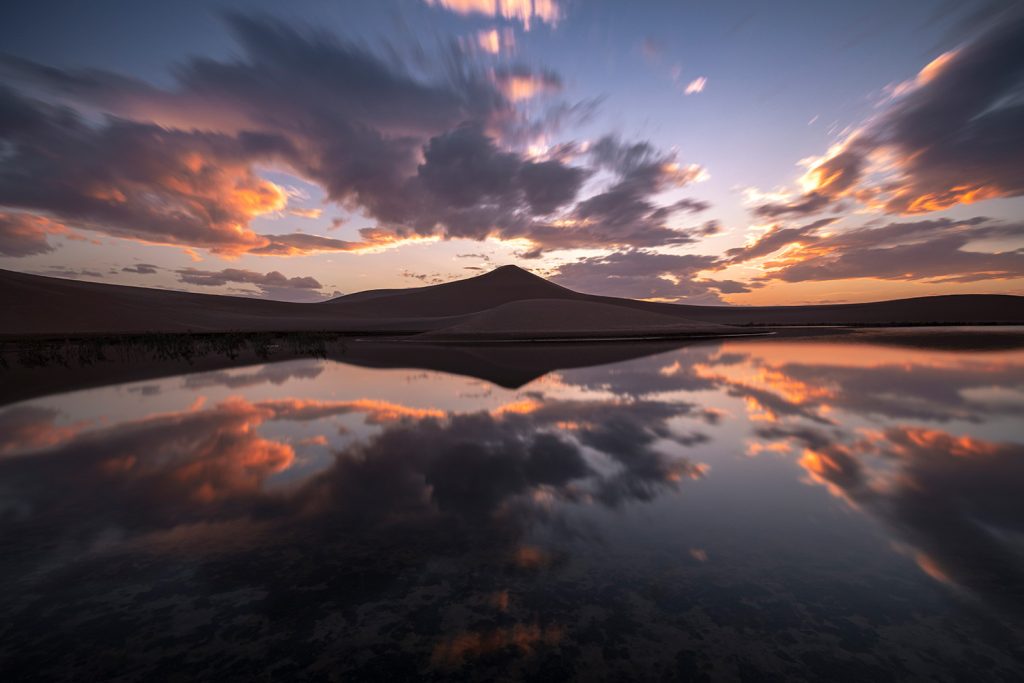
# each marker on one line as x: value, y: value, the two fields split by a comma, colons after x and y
x: 553, y: 319
x: 472, y: 295
x: 37, y: 305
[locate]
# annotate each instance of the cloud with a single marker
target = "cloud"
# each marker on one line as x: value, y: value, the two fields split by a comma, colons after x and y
x: 141, y: 269
x: 936, y: 250
x: 624, y: 214
x: 646, y: 275
x: 177, y: 167
x: 136, y: 180
x: 519, y: 82
x: 421, y: 158
x: 952, y: 135
x: 70, y: 273
x: 489, y: 41
x: 272, y: 285
x: 306, y: 213
x: 424, y: 159
x: 774, y: 239
x: 524, y: 12
x: 23, y: 234
x: 696, y: 85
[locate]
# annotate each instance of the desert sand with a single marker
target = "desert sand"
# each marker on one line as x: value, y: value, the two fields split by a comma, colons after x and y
x: 34, y: 305
x: 569, y: 319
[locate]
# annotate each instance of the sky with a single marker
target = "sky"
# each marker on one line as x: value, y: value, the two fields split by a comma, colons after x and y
x: 744, y: 153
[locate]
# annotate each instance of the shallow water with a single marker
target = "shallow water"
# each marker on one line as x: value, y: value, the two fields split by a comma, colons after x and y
x: 772, y: 509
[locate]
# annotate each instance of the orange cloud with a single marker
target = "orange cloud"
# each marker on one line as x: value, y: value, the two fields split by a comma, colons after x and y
x: 489, y: 41
x: 522, y: 11
x: 25, y: 234
x: 696, y: 85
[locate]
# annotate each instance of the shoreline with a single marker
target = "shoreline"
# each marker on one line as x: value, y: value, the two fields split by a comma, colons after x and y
x: 39, y: 366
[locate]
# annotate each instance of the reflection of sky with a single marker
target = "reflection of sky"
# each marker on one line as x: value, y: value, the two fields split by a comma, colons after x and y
x: 731, y: 479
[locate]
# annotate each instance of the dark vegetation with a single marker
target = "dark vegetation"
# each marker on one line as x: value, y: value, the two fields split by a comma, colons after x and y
x: 79, y: 352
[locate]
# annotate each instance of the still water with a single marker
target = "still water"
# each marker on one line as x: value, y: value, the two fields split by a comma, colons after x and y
x: 759, y: 510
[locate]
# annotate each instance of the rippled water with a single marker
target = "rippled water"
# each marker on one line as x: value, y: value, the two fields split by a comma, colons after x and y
x: 744, y: 509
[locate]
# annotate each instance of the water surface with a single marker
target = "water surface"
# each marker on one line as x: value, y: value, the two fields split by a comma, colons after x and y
x: 771, y: 509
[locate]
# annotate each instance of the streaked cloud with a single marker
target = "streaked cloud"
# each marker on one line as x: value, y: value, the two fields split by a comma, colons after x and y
x: 933, y: 250
x: 519, y: 82
x: 954, y: 134
x: 695, y: 86
x: 525, y: 12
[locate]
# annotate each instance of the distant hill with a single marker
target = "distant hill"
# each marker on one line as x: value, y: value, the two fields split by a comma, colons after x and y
x: 38, y: 305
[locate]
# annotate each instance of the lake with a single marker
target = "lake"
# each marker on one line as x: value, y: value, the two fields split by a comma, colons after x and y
x: 769, y: 509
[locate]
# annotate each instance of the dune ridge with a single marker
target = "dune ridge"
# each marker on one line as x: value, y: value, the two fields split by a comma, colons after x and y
x: 35, y: 305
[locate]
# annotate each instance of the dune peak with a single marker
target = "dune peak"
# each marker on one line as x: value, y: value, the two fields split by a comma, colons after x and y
x: 511, y: 272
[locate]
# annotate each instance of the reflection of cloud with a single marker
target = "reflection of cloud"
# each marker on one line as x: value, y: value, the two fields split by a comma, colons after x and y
x: 424, y: 467
x: 25, y: 428
x: 951, y: 500
x: 948, y: 498
x: 275, y: 373
x: 954, y: 500
x: 860, y: 381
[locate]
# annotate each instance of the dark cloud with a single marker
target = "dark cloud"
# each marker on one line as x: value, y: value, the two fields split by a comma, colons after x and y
x: 548, y: 185
x: 272, y: 285
x: 624, y: 214
x: 955, y: 133
x: 420, y: 157
x: 809, y: 203
x: 71, y: 273
x: 646, y: 275
x: 464, y: 169
x: 141, y: 269
x: 691, y: 205
x: 135, y: 180
x: 412, y: 154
